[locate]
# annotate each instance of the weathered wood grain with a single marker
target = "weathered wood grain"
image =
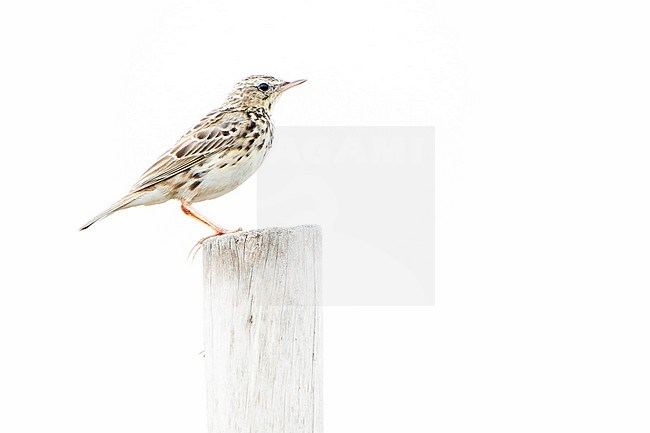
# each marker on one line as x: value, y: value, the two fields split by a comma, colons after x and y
x: 262, y: 301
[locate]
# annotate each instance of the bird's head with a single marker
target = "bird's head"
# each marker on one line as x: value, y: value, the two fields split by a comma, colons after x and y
x: 258, y: 91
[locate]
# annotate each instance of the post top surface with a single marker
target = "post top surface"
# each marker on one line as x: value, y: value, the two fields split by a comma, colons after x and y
x: 263, y: 231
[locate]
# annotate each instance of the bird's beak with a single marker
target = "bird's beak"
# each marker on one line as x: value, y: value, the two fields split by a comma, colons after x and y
x: 289, y: 85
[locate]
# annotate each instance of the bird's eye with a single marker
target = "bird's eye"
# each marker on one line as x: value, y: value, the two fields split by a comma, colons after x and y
x: 263, y: 87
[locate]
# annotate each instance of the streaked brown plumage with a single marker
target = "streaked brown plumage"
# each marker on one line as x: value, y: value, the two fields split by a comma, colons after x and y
x: 216, y: 156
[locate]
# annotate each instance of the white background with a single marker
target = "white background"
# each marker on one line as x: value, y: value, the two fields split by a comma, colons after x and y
x: 542, y: 286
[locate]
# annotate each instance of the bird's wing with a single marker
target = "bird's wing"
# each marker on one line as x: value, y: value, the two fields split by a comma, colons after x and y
x: 216, y: 133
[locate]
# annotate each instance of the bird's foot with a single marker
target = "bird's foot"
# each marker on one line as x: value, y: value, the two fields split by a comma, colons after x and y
x: 199, y: 245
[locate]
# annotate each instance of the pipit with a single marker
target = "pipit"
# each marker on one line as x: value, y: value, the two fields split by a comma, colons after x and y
x: 216, y: 156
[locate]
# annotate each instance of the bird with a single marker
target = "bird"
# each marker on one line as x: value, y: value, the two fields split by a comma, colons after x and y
x: 214, y: 157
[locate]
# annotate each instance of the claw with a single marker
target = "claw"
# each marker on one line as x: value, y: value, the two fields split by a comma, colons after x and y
x: 199, y: 245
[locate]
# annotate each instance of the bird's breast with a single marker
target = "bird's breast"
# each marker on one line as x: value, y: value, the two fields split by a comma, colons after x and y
x: 222, y: 173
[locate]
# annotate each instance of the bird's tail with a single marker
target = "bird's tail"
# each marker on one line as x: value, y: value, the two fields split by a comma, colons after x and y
x: 119, y: 205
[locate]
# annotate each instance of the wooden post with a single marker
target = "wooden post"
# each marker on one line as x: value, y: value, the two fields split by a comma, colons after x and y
x: 263, y: 331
